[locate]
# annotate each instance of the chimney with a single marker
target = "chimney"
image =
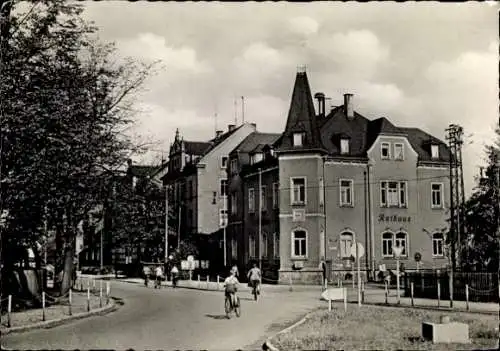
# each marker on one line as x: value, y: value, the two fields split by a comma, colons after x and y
x: 218, y: 133
x: 321, y: 103
x: 230, y: 127
x: 349, y: 110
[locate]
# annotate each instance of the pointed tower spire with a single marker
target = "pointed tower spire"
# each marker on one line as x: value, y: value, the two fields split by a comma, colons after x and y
x: 177, y: 134
x: 301, y: 120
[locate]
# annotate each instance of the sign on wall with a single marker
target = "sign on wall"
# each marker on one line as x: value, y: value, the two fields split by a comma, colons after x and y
x: 299, y: 215
x: 393, y: 218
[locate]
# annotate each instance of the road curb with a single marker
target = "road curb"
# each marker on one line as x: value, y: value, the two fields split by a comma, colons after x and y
x: 112, y: 306
x: 430, y: 308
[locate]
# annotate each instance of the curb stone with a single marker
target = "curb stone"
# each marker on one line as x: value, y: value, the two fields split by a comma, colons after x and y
x: 112, y: 306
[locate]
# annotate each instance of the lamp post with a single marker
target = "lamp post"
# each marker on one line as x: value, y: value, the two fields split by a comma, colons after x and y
x: 397, y: 250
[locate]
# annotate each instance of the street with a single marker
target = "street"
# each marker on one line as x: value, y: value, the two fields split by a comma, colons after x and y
x: 173, y: 319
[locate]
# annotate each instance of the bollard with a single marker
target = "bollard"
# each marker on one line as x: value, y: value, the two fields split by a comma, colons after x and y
x: 411, y: 293
x: 208, y: 281
x: 345, y: 299
x: 467, y: 296
x: 70, y: 312
x: 88, y: 299
x: 9, y: 310
x: 362, y: 292
x: 93, y: 285
x: 100, y: 293
x: 108, y: 291
x: 199, y: 281
x: 386, y: 294
x: 218, y: 282
x: 291, y: 287
x: 43, y: 306
x: 439, y: 294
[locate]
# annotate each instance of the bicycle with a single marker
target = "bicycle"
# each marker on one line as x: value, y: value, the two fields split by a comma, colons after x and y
x: 229, y: 307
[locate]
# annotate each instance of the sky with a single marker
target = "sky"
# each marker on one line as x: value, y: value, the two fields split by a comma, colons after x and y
x: 422, y: 65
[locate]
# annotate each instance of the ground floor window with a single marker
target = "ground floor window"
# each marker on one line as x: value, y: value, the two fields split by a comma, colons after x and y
x: 299, y: 242
x: 264, y: 245
x: 346, y: 240
x: 251, y: 246
x: 234, y: 249
x: 276, y: 246
x: 438, y: 244
x: 389, y: 241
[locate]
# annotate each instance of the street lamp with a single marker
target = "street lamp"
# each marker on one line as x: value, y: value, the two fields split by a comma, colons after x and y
x: 397, y: 250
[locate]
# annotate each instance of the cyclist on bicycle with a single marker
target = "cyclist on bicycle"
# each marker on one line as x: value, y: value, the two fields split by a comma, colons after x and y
x: 231, y: 286
x: 254, y: 276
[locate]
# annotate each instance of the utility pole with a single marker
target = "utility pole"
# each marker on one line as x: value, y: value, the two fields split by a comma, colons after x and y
x: 497, y: 192
x: 166, y: 223
x: 260, y: 219
x: 224, y: 229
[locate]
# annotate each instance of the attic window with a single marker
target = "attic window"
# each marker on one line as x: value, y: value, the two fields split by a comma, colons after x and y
x: 257, y: 157
x: 344, y: 146
x: 224, y: 162
x: 435, y: 151
x: 298, y: 139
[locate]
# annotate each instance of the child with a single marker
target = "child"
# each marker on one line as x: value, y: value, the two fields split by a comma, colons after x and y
x: 231, y: 286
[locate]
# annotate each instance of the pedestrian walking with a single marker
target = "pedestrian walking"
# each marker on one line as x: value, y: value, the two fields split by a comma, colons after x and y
x: 159, y: 273
x: 174, y: 272
x: 146, y: 271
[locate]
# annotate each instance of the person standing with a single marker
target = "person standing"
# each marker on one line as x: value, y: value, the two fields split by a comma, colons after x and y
x: 174, y: 273
x: 147, y: 272
x: 159, y: 273
x: 255, y: 276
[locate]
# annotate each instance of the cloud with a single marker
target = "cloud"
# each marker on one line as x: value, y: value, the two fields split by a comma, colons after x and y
x: 152, y: 47
x: 303, y: 25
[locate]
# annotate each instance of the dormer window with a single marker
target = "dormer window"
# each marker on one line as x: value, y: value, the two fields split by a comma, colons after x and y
x: 344, y: 146
x: 435, y: 151
x: 399, y: 151
x: 298, y: 139
x: 234, y: 166
x: 256, y: 158
x: 223, y: 162
x: 385, y: 151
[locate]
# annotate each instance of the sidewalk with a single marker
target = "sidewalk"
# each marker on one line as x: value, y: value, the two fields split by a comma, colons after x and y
x: 373, y: 295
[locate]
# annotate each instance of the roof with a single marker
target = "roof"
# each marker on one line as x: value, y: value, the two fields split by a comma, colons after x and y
x: 301, y: 118
x: 196, y: 147
x: 218, y: 140
x: 142, y: 171
x: 256, y: 141
x: 363, y: 132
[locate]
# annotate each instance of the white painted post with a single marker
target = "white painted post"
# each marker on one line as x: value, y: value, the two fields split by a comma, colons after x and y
x: 93, y: 285
x: 291, y: 283
x: 345, y: 299
x: 411, y: 292
x: 208, y: 281
x: 9, y: 310
x: 362, y: 292
x: 386, y: 293
x: 467, y: 296
x: 218, y: 279
x: 70, y: 299
x: 439, y: 293
x: 88, y: 299
x: 100, y: 293
x: 43, y: 306
x: 329, y: 305
x: 108, y: 291
x: 199, y: 281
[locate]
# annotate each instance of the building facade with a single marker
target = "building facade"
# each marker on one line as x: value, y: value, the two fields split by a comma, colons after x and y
x: 252, y: 157
x: 345, y: 178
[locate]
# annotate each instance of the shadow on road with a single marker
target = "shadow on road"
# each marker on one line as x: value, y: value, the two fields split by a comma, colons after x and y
x: 216, y: 316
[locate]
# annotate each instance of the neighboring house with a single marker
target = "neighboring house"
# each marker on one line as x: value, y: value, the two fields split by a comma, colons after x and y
x: 198, y: 180
x: 344, y: 177
x: 254, y: 153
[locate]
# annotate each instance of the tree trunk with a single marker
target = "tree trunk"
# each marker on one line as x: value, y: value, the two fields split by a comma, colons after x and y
x: 69, y: 252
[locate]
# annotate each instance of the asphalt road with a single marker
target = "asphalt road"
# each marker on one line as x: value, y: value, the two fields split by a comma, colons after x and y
x: 173, y: 319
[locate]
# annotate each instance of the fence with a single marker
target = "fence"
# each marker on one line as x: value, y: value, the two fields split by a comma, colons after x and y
x: 89, y: 296
x: 477, y: 287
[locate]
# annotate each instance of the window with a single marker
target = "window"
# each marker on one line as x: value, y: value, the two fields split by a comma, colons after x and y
x: 298, y: 190
x: 223, y: 162
x: 393, y: 194
x: 263, y: 202
x: 298, y: 139
x: 223, y: 218
x: 435, y: 151
x: 387, y: 241
x: 402, y: 241
x: 234, y: 166
x: 299, y: 240
x: 276, y: 245
x: 234, y: 249
x: 321, y: 192
x: 264, y: 245
x: 399, y: 151
x: 385, y: 151
x: 346, y: 240
x: 234, y: 199
x: 276, y: 193
x: 251, y: 200
x: 438, y: 244
x: 251, y: 246
x: 437, y: 195
x: 344, y: 146
x: 346, y: 190
x: 223, y: 187
x: 256, y: 158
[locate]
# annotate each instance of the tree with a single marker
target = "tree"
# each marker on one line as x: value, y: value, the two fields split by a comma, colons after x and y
x: 482, y: 216
x: 67, y: 104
